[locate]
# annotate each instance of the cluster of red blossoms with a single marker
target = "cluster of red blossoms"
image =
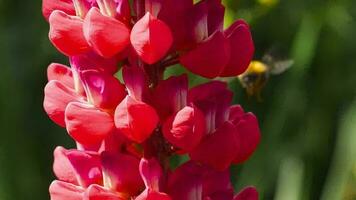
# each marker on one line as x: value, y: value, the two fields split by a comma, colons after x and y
x: 127, y: 133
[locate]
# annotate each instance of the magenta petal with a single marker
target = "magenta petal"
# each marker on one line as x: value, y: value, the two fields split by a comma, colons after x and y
x: 106, y: 35
x: 151, y: 38
x: 57, y: 97
x: 48, y: 6
x: 209, y: 58
x: 66, y: 33
x: 248, y: 137
x: 217, y: 149
x: 103, y: 90
x: 185, y: 129
x: 65, y: 191
x: 97, y: 192
x: 91, y: 60
x: 170, y: 95
x: 151, y: 173
x: 185, y: 184
x: 87, y: 124
x: 135, y: 82
x: 136, y: 120
x: 242, y: 49
x: 248, y: 193
x: 216, y: 16
x: 60, y: 73
x: 235, y: 113
x: 77, y: 167
x: 122, y: 172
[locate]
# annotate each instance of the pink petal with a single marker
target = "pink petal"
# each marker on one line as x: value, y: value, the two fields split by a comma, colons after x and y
x: 151, y: 173
x: 87, y: 124
x: 185, y: 129
x: 60, y: 73
x: 97, y: 192
x: 106, y: 35
x: 62, y: 167
x: 170, y: 95
x: 209, y: 58
x: 242, y: 49
x: 48, y: 6
x: 122, y: 172
x: 136, y: 120
x: 57, y: 97
x: 103, y: 90
x: 65, y: 191
x: 248, y: 136
x: 217, y: 149
x: 91, y: 60
x: 86, y: 166
x: 135, y: 82
x: 248, y: 193
x: 66, y: 33
x: 151, y: 38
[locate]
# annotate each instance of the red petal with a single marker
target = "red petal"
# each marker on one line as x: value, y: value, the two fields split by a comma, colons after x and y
x: 151, y: 173
x: 57, y: 97
x: 151, y: 38
x: 77, y: 167
x: 106, y: 35
x: 170, y: 95
x: 60, y: 73
x: 209, y: 58
x: 248, y: 193
x: 103, y: 90
x: 62, y: 167
x: 248, y: 136
x: 235, y: 113
x: 185, y: 185
x: 65, y: 191
x: 66, y: 33
x: 185, y: 129
x: 136, y: 120
x: 122, y: 172
x: 97, y: 192
x: 91, y: 60
x: 152, y: 195
x: 217, y: 149
x: 48, y: 6
x: 86, y: 166
x: 87, y: 124
x: 135, y: 82
x: 173, y: 10
x: 242, y: 49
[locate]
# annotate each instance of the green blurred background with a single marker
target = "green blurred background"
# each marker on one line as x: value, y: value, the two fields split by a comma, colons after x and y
x: 307, y: 117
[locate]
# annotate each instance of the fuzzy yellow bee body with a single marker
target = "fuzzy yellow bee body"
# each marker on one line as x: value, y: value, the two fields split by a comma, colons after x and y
x: 254, y: 79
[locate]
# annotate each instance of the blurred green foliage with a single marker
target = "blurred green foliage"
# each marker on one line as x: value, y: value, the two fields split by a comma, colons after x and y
x: 307, y: 117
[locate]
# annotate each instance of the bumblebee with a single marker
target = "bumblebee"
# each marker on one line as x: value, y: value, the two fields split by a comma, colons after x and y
x: 254, y: 79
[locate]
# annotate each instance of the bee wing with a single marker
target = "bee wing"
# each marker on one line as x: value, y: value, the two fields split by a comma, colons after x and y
x: 279, y: 67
